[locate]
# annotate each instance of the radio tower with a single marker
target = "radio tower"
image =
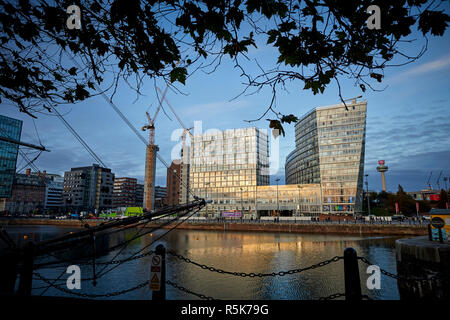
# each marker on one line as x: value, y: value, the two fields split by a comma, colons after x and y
x: 382, y: 168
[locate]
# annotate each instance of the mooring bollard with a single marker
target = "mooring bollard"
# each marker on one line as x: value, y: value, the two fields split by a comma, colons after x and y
x: 160, y: 294
x: 26, y: 273
x: 8, y: 272
x: 351, y: 275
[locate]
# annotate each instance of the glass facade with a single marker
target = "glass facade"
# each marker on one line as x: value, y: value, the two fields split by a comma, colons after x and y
x: 330, y: 144
x: 291, y: 199
x: 226, y: 167
x: 11, y: 129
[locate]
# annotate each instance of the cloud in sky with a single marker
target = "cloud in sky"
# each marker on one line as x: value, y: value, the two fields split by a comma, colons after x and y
x: 215, y: 108
x: 436, y: 65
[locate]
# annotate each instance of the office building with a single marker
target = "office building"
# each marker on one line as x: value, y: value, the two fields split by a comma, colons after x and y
x: 27, y: 195
x: 184, y: 174
x: 226, y: 167
x: 330, y: 144
x: 88, y: 189
x: 173, y: 184
x: 160, y: 196
x: 54, y: 184
x: 10, y: 129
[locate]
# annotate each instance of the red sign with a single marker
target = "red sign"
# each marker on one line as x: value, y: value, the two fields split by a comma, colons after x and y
x: 417, y: 207
x: 396, y: 207
x: 381, y: 162
x: 435, y: 197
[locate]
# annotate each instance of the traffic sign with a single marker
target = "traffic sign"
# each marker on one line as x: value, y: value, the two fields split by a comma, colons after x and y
x: 437, y: 222
x: 155, y: 272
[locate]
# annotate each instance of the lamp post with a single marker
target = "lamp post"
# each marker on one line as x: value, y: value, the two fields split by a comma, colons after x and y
x: 298, y: 212
x: 278, y: 204
x: 367, y: 188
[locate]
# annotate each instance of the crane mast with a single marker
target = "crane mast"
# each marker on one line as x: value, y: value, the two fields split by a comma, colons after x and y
x: 150, y: 158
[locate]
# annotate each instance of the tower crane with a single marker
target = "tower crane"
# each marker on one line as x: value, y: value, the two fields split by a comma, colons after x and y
x: 150, y: 157
x: 184, y: 178
x: 185, y: 130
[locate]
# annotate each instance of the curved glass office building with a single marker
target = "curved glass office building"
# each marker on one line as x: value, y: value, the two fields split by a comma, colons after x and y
x: 330, y: 143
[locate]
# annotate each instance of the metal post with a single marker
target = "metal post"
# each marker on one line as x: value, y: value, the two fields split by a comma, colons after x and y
x: 441, y: 240
x: 351, y: 275
x: 26, y: 273
x: 161, y: 294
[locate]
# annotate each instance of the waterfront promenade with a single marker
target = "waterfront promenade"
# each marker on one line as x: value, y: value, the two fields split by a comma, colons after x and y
x: 409, y: 228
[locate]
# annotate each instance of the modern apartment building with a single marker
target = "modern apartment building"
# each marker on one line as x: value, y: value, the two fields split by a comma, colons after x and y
x: 330, y: 144
x: 125, y: 192
x: 226, y: 167
x: 139, y: 195
x: 88, y: 188
x: 10, y: 129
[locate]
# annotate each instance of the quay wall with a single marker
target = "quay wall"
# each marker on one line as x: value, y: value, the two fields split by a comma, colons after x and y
x: 322, y: 227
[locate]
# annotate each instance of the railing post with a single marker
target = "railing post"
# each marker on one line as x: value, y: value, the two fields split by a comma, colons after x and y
x: 161, y: 294
x: 26, y: 272
x: 351, y: 275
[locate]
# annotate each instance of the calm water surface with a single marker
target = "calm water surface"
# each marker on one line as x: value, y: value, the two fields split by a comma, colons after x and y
x: 233, y: 251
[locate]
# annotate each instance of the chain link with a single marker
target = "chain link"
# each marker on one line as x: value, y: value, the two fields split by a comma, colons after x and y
x: 333, y: 296
x: 86, y: 295
x: 252, y: 275
x: 201, y: 296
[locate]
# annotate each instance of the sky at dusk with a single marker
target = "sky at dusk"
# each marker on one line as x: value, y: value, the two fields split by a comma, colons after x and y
x: 408, y: 123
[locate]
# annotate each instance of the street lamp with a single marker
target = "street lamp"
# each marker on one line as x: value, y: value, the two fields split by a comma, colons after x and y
x: 298, y: 212
x: 367, y: 188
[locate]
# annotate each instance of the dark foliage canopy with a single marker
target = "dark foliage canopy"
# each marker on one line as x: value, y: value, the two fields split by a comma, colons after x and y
x: 43, y: 63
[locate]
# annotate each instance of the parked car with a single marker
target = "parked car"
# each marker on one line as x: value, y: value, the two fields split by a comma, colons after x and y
x: 398, y: 217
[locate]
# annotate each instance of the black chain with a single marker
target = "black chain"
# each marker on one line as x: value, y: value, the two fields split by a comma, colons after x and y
x: 338, y: 295
x: 394, y: 276
x: 333, y: 296
x: 104, y: 263
x: 252, y: 275
x: 112, y: 294
x: 201, y: 296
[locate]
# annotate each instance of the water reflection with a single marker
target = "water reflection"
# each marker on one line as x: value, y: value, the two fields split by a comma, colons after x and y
x: 241, y: 252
